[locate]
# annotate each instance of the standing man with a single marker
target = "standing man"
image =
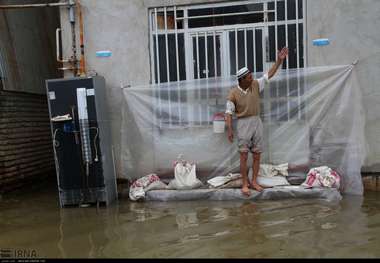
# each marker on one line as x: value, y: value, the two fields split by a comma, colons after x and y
x: 244, y: 101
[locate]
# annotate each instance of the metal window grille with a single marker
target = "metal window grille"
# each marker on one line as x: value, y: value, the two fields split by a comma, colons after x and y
x: 214, y: 40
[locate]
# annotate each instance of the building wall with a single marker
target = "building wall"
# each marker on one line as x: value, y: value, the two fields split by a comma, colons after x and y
x: 122, y: 27
x: 27, y: 54
x: 26, y: 150
x: 352, y: 27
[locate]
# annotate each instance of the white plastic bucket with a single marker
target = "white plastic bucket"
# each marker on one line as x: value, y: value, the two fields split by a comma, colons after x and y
x: 219, y: 126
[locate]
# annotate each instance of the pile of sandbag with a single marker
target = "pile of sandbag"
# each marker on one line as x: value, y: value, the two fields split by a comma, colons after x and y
x: 277, y: 175
x: 269, y: 176
x: 184, y: 179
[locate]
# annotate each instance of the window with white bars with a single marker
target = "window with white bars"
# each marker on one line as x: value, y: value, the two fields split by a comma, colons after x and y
x: 215, y: 40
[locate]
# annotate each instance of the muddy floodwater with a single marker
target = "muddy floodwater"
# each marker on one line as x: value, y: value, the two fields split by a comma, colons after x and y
x: 32, y: 221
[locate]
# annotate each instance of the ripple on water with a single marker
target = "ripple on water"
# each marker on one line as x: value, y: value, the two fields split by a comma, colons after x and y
x: 328, y: 225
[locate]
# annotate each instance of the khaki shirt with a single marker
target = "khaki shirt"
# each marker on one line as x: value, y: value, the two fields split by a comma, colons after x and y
x: 246, y: 103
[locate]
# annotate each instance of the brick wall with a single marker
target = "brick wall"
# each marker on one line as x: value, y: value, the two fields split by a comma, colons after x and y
x: 26, y: 151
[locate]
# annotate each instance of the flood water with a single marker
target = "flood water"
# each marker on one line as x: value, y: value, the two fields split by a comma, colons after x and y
x: 203, y: 229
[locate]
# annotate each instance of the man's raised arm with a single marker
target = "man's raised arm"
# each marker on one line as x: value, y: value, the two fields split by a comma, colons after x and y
x: 280, y: 58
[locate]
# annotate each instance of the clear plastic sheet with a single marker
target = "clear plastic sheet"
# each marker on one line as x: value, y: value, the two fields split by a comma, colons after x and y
x: 311, y: 117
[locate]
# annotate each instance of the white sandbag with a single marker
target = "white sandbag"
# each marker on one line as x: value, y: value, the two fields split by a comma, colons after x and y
x: 221, y: 180
x: 156, y: 185
x: 268, y: 181
x: 261, y: 180
x: 270, y: 170
x: 322, y: 176
x: 237, y: 183
x: 272, y: 181
x: 136, y: 193
x: 140, y: 186
x: 184, y: 176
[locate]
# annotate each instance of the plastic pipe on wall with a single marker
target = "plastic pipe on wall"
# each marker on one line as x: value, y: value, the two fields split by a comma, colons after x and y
x: 73, y: 60
x: 82, y: 64
x: 73, y: 38
x: 57, y: 31
x: 70, y: 4
x: 34, y: 5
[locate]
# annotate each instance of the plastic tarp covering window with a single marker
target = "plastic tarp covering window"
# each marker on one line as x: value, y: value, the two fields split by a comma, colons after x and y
x: 312, y: 117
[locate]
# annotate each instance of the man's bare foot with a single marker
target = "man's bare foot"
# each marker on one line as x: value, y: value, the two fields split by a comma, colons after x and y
x: 246, y: 191
x: 257, y: 187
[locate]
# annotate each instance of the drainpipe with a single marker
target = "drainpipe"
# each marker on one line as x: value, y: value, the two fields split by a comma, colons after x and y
x: 34, y: 5
x: 82, y: 64
x: 73, y: 59
x: 73, y: 38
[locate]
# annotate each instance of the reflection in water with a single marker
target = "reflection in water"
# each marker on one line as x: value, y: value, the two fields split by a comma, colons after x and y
x: 220, y: 214
x: 287, y: 228
x: 187, y: 220
x: 86, y: 231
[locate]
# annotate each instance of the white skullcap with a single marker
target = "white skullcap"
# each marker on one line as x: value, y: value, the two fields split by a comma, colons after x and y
x: 242, y: 72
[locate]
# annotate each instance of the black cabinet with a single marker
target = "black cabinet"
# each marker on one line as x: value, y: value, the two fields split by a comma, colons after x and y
x: 81, y: 140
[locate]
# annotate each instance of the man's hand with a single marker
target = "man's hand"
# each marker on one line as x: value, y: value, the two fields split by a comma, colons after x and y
x: 230, y: 135
x: 283, y: 53
x: 280, y: 58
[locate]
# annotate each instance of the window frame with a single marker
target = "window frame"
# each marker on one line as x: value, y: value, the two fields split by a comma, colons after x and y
x: 187, y: 32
